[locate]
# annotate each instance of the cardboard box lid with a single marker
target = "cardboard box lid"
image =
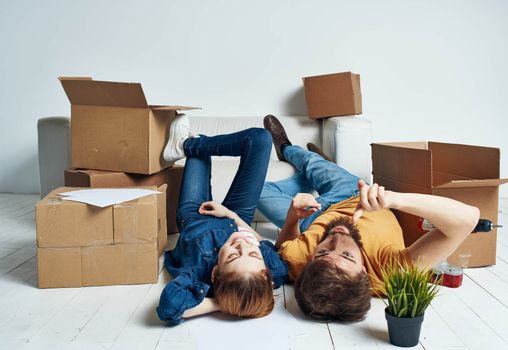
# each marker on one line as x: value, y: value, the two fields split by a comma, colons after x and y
x: 54, y: 197
x: 85, y: 91
x: 437, y: 165
x: 409, y: 163
x: 347, y: 78
x: 90, y: 172
x: 172, y: 108
x: 474, y: 162
x: 472, y: 183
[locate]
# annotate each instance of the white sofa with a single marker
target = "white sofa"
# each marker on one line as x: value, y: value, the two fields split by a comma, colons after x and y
x: 345, y: 139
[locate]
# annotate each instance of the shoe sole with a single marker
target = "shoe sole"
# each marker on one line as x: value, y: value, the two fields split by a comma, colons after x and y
x: 266, y: 125
x: 169, y: 154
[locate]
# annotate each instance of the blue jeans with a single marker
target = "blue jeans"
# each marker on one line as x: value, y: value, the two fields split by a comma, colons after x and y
x: 331, y: 182
x: 252, y: 145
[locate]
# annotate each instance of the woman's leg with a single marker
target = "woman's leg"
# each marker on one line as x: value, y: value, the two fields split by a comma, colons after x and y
x: 253, y: 146
x: 195, y: 189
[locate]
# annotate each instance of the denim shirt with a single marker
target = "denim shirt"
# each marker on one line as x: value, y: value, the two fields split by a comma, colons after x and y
x: 192, y: 261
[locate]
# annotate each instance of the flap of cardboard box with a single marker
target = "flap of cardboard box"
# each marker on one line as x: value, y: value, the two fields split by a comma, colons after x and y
x: 411, y: 144
x: 403, y: 162
x: 89, y: 171
x: 474, y: 162
x: 473, y: 183
x: 89, y: 92
x: 85, y: 91
x: 172, y: 108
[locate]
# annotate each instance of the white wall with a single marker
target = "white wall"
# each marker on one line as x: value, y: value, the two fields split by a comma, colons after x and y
x: 432, y: 70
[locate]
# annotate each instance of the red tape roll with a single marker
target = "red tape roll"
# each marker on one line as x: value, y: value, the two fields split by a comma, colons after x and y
x: 451, y: 276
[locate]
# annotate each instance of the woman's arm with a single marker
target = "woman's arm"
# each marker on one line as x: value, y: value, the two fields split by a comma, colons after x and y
x: 218, y: 210
x: 181, y: 295
x: 208, y: 305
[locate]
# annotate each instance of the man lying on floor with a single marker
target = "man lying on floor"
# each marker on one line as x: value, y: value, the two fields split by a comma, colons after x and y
x: 337, y: 244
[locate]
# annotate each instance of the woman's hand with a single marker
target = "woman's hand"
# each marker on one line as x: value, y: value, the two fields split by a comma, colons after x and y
x: 215, y: 209
x: 303, y: 205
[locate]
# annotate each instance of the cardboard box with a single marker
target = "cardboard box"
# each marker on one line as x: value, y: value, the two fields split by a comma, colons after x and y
x: 131, y: 236
x: 97, y: 265
x: 120, y: 264
x: 333, y: 95
x: 171, y: 176
x: 59, y: 267
x: 466, y: 173
x: 113, y: 127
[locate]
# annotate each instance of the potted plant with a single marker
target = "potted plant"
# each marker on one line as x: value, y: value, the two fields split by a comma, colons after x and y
x: 409, y: 291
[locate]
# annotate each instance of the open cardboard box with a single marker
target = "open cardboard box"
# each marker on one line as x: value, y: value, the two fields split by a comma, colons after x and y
x: 114, y: 128
x: 171, y: 176
x: 83, y: 245
x: 466, y: 173
x: 333, y: 95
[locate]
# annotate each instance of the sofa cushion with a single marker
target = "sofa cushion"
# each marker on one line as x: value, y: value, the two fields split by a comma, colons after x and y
x: 300, y: 130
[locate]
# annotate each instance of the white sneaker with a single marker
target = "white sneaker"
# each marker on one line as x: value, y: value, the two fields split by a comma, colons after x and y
x: 178, y: 133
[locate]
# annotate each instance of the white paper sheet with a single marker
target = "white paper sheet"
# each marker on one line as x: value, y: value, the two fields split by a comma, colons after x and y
x: 103, y: 197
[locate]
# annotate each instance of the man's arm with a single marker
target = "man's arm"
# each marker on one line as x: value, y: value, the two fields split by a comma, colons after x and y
x: 454, y: 220
x: 302, y: 206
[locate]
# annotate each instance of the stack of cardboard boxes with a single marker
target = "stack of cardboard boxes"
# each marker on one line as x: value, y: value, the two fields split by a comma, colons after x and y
x: 117, y: 140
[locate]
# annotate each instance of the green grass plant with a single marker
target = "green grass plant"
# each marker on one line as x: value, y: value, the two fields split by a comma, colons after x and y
x: 408, y: 289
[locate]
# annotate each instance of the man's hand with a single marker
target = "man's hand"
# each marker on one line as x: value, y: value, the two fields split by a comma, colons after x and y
x: 215, y: 209
x: 303, y: 205
x: 372, y: 198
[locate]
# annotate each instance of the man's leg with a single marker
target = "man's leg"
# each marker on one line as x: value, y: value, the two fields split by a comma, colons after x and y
x: 276, y: 197
x: 333, y: 183
x: 253, y: 146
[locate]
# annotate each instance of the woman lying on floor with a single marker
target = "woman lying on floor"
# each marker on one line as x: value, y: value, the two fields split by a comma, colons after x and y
x: 219, y: 263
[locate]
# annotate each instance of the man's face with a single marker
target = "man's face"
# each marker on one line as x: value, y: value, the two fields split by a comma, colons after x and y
x: 340, y: 248
x: 241, y: 254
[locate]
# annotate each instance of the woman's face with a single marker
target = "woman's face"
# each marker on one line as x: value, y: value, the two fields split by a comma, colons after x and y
x: 241, y: 253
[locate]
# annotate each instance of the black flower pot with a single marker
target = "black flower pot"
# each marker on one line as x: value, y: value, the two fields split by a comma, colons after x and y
x: 404, y: 331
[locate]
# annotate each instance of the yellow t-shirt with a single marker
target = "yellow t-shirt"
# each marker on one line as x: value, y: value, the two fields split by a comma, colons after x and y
x: 380, y: 232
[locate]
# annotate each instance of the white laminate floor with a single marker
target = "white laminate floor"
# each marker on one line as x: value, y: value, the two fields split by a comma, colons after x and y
x: 474, y: 316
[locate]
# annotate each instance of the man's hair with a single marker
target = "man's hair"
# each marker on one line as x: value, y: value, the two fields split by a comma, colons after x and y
x: 244, y: 294
x: 324, y: 291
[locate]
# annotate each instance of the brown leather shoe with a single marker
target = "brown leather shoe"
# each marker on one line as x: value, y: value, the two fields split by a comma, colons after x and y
x: 278, y: 133
x: 314, y: 148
